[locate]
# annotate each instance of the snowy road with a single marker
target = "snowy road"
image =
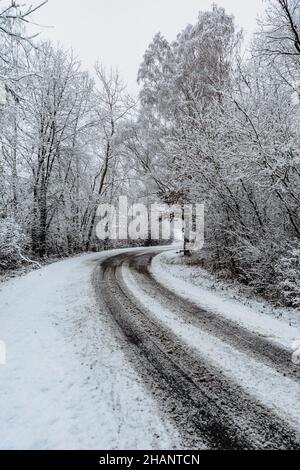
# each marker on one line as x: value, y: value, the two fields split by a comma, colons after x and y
x: 223, y: 385
x: 67, y: 383
x: 103, y: 354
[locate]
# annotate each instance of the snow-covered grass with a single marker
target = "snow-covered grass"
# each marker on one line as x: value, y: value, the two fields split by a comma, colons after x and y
x: 197, y: 285
x: 67, y: 383
x: 27, y: 267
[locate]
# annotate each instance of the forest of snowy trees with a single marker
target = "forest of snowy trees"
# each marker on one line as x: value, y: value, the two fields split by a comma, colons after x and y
x: 213, y: 124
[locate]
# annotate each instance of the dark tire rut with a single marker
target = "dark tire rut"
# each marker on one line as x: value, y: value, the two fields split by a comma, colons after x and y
x: 203, y: 404
x: 242, y: 339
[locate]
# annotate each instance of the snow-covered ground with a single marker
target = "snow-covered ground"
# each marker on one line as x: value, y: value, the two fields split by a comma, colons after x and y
x: 67, y: 383
x: 195, y: 284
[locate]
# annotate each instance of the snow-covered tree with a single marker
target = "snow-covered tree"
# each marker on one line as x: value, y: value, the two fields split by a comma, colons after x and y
x: 225, y: 131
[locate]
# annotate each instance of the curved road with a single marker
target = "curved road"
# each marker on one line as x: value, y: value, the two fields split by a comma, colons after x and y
x: 210, y: 410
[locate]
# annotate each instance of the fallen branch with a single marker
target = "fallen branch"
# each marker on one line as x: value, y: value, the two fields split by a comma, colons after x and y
x: 27, y: 259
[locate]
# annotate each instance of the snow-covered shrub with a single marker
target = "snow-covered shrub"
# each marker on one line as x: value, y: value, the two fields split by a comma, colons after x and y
x: 288, y: 275
x: 12, y: 242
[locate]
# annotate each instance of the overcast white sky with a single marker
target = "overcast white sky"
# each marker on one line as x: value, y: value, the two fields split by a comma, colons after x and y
x: 119, y: 31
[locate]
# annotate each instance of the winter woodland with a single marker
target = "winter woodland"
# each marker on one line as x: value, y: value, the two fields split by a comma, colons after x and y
x: 215, y: 123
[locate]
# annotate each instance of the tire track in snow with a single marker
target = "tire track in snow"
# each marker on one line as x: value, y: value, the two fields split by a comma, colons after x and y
x: 204, y: 405
x: 231, y: 332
